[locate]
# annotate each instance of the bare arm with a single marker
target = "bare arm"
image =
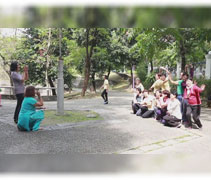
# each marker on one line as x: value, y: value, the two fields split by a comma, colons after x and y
x: 173, y: 82
x: 26, y: 74
x: 40, y: 100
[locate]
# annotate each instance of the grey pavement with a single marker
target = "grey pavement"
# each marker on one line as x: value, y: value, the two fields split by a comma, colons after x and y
x: 119, y: 133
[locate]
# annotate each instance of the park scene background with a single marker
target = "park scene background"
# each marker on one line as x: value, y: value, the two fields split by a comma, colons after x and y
x: 118, y: 132
x: 90, y: 53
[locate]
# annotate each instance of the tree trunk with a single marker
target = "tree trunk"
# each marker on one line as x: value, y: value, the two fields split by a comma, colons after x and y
x: 182, y: 54
x: 48, y: 58
x: 88, y: 60
x: 86, y: 74
x: 87, y: 65
x: 109, y: 71
x: 131, y: 74
x: 52, y: 85
x: 151, y: 64
x: 5, y: 69
x: 93, y: 82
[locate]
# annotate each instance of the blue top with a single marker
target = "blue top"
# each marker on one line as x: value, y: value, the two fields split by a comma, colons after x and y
x: 29, y: 119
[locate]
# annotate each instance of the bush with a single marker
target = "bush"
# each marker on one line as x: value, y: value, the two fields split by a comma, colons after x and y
x: 141, y: 71
x: 207, y: 92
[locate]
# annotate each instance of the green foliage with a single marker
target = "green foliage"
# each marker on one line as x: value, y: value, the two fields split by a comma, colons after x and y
x: 207, y: 92
x: 150, y: 79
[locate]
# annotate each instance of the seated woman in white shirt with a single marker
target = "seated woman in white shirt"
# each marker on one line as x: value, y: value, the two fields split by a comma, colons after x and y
x: 174, y: 116
x: 147, y: 106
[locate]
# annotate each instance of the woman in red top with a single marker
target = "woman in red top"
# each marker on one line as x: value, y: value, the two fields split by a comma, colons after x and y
x: 192, y: 94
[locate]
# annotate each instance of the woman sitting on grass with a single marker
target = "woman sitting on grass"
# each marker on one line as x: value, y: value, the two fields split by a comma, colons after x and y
x: 174, y: 115
x: 30, y: 118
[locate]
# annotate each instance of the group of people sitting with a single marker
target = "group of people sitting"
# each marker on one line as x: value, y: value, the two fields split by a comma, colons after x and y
x: 171, y: 108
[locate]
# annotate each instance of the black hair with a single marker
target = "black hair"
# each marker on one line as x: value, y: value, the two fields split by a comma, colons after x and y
x: 167, y: 93
x: 163, y: 75
x: 145, y: 90
x: 174, y: 93
x: 106, y: 77
x: 139, y: 90
x: 14, y: 66
x: 185, y: 74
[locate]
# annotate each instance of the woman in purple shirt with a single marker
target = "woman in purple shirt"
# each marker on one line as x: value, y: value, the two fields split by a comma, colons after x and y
x: 18, y: 83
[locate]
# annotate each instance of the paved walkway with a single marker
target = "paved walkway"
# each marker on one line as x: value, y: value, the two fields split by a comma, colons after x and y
x: 119, y: 133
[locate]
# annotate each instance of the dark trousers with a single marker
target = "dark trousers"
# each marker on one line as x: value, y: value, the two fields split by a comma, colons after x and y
x: 148, y: 114
x: 171, y: 121
x: 105, y: 95
x: 195, y: 110
x: 20, y: 98
x: 184, y: 110
x: 160, y: 113
x: 135, y: 107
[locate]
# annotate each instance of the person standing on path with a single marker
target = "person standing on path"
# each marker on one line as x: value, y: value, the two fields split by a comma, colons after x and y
x: 105, y: 87
x: 18, y: 81
x: 192, y: 94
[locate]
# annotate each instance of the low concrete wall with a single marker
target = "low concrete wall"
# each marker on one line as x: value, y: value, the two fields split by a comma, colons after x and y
x: 45, y: 98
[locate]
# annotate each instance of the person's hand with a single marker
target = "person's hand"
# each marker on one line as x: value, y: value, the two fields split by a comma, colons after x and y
x: 38, y: 93
x: 203, y: 86
x: 26, y: 68
x: 163, y: 68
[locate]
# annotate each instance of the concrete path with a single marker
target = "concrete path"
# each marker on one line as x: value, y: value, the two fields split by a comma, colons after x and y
x: 119, y: 133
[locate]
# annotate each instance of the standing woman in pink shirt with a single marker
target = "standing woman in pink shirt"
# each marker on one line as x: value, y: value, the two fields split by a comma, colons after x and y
x: 192, y: 94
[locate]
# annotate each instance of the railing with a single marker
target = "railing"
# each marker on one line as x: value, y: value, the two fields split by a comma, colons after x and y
x: 42, y: 90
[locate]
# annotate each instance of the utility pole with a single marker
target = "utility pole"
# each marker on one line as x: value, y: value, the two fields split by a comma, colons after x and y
x: 60, y: 82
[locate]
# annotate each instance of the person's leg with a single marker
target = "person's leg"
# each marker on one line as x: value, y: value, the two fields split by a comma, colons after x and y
x: 20, y: 98
x: 37, y: 125
x: 136, y: 107
x: 179, y: 97
x: 143, y: 109
x: 172, y: 121
x: 155, y: 112
x: 163, y: 112
x: 188, y: 116
x: 184, y: 110
x: 106, y: 96
x: 102, y: 94
x: 133, y: 107
x: 36, y: 120
x: 148, y: 114
x: 158, y: 114
x: 196, y: 110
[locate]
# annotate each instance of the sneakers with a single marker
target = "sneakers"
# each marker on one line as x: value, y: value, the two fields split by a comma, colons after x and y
x: 106, y: 102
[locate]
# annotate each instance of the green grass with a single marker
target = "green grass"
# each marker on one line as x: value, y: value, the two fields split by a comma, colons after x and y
x: 122, y: 85
x: 70, y: 117
x: 77, y: 95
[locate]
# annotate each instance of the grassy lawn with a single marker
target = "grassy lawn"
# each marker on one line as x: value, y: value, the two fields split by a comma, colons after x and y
x: 77, y: 95
x: 70, y: 117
